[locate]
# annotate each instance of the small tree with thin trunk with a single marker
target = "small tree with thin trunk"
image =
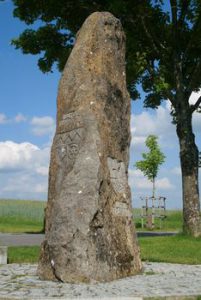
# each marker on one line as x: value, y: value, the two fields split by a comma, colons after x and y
x: 151, y: 161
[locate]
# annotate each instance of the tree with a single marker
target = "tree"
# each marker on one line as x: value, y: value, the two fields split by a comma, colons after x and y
x: 163, y: 55
x: 151, y: 161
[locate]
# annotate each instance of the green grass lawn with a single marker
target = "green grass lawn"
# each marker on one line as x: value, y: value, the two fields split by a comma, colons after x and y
x: 21, y: 216
x: 172, y: 249
x: 23, y: 254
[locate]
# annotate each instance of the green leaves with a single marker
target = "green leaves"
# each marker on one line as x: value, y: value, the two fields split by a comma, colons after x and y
x: 152, y: 159
x: 48, y: 40
x: 157, y: 42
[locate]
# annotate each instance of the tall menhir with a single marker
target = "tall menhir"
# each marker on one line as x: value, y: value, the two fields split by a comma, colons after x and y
x: 89, y: 228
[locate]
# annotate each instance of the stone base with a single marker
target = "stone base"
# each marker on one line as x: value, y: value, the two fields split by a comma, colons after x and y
x: 3, y: 255
x: 159, y: 281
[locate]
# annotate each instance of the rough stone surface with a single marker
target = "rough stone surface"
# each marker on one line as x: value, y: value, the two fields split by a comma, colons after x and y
x: 159, y: 280
x: 3, y: 255
x: 89, y: 229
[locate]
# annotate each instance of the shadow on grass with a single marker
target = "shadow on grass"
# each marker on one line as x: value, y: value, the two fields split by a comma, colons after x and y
x: 152, y: 233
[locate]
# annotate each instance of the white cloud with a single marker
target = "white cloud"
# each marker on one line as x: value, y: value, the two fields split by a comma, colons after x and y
x: 164, y: 184
x: 138, y: 181
x: 197, y: 122
x: 142, y: 184
x: 196, y: 116
x: 16, y: 156
x: 3, y: 118
x: 153, y: 123
x: 23, y: 170
x: 194, y: 97
x: 40, y: 188
x: 41, y: 170
x: 156, y: 122
x: 17, y: 119
x: 42, y: 121
x: 138, y: 141
x: 168, y: 105
x: 42, y: 125
x: 20, y: 118
x: 176, y: 171
x: 142, y: 124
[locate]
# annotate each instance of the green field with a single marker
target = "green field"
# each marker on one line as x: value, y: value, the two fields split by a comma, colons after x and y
x: 21, y: 215
x: 27, y: 216
x: 172, y: 249
x: 28, y: 254
x: 173, y: 221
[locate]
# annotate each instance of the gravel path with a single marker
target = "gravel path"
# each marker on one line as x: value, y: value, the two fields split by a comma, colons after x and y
x: 11, y: 239
x: 158, y: 280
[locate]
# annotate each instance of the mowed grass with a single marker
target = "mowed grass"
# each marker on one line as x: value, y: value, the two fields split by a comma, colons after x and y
x: 179, y: 249
x: 29, y: 254
x: 21, y: 216
x: 170, y: 249
x: 173, y: 221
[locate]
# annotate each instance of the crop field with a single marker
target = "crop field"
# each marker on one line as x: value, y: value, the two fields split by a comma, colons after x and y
x: 21, y: 215
x: 27, y: 216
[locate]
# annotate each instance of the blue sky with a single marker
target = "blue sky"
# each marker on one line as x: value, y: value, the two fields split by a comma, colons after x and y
x: 27, y: 124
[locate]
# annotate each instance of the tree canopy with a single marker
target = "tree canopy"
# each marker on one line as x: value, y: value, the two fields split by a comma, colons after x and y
x: 159, y: 39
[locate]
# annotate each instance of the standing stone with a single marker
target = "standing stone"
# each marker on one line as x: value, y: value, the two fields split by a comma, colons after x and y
x: 89, y: 228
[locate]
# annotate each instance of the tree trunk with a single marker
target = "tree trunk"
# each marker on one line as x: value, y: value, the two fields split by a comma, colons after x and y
x: 189, y: 156
x: 154, y: 188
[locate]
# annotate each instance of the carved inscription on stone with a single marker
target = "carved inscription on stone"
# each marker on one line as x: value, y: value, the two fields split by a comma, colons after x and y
x: 68, y: 144
x: 70, y: 122
x: 117, y: 174
x: 70, y: 135
x: 68, y: 141
x: 121, y: 209
x: 73, y: 151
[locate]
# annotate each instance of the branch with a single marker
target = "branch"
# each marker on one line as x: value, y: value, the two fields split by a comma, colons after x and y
x: 196, y: 105
x: 149, y: 36
x: 157, y: 45
x: 176, y: 59
x: 194, y: 74
x: 184, y: 7
x: 167, y: 93
x: 192, y: 36
x: 173, y: 4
